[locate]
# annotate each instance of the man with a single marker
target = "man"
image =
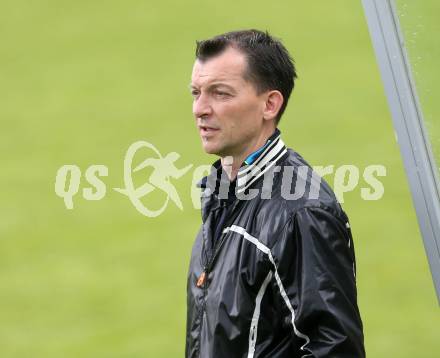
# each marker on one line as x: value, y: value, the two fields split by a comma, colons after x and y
x: 272, y: 273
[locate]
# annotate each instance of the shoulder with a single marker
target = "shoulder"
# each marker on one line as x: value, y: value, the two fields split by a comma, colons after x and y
x: 295, y: 188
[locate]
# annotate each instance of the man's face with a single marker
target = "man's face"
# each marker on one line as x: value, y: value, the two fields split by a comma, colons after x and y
x: 227, y: 108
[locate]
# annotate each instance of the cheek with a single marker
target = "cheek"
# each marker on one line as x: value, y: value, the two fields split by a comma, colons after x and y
x: 239, y: 112
x: 231, y: 119
x: 250, y: 116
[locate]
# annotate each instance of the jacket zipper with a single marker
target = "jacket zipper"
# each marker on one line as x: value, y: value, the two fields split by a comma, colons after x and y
x: 207, y: 268
x: 202, y: 280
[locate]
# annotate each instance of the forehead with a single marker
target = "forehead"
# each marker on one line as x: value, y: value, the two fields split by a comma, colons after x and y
x: 229, y: 66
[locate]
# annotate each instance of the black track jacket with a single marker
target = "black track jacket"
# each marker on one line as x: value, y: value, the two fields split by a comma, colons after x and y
x: 279, y: 282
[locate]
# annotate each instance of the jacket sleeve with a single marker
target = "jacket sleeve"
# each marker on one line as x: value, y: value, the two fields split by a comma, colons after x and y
x: 315, y: 275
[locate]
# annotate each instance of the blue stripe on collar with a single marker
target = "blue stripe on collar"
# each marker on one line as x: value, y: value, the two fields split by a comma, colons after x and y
x: 251, y: 158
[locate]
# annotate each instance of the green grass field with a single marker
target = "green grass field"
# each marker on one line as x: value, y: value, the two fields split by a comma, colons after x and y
x: 80, y: 81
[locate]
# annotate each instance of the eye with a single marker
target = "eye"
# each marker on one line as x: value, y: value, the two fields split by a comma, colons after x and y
x: 221, y: 94
x: 195, y: 93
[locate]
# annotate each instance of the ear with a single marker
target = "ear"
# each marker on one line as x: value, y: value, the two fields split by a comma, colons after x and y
x: 273, y: 103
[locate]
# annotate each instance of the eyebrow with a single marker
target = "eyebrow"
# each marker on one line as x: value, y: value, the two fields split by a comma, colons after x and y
x: 213, y: 85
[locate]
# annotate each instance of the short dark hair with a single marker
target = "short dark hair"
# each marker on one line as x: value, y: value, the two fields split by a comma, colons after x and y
x: 270, y: 66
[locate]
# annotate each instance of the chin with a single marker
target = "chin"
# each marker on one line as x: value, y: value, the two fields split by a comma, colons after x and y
x: 210, y: 150
x: 209, y: 147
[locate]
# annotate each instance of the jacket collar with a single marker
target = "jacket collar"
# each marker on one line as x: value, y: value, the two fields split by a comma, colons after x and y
x: 260, y: 162
x: 272, y: 152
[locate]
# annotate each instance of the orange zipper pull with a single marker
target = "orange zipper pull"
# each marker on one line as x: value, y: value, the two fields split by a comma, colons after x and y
x: 201, y: 280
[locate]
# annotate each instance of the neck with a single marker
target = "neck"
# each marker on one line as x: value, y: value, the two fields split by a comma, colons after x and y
x: 231, y: 164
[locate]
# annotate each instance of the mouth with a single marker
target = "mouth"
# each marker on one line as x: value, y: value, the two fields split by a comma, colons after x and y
x: 207, y: 131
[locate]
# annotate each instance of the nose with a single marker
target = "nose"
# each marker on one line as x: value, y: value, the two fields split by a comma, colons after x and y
x: 201, y: 106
